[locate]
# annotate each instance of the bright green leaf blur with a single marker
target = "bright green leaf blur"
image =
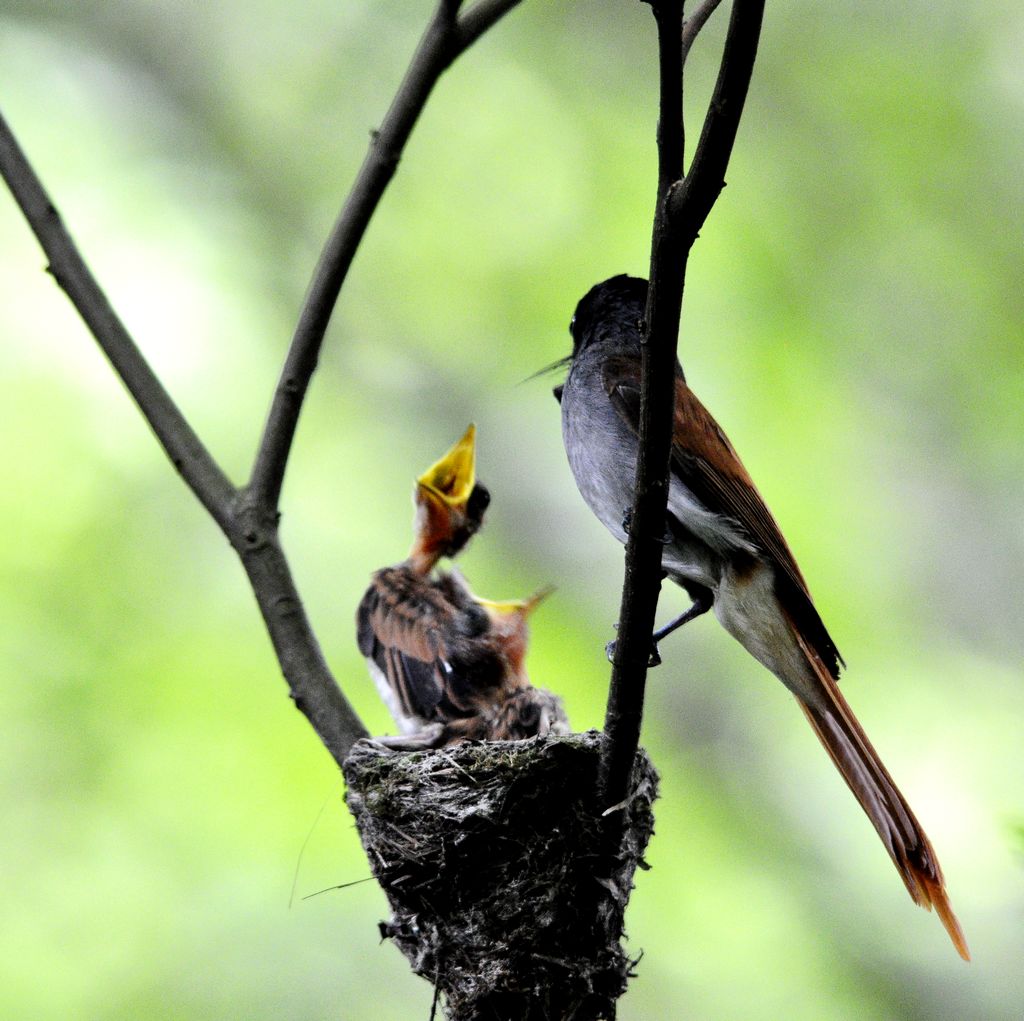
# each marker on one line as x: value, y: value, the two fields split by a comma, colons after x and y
x: 853, y: 316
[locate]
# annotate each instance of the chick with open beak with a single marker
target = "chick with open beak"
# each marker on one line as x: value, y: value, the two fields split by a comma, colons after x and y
x: 450, y: 505
x: 446, y: 663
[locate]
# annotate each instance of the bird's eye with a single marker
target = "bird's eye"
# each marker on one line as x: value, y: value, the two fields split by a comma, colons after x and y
x: 572, y: 323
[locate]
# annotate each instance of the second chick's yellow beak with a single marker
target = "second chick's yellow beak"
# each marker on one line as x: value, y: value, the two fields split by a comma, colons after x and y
x: 523, y: 607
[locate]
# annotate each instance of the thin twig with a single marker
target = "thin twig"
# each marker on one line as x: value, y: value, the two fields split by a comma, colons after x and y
x: 186, y: 451
x: 689, y: 205
x: 445, y: 38
x: 695, y: 22
x: 479, y: 18
x: 682, y: 206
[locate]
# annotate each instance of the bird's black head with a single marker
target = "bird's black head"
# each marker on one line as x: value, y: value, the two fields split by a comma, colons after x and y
x: 610, y: 312
x: 612, y: 309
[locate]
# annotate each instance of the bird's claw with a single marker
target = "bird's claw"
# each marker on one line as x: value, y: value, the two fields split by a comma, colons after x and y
x: 665, y: 539
x: 653, y: 657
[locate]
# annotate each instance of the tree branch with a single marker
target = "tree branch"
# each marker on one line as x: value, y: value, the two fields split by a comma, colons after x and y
x: 681, y: 208
x: 248, y: 516
x: 253, y: 536
x: 310, y: 682
x: 446, y: 37
x: 695, y: 22
x: 689, y: 205
x: 479, y: 18
x: 642, y: 580
x: 186, y: 451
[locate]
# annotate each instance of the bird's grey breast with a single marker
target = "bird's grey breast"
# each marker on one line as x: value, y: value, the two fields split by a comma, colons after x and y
x: 600, y: 447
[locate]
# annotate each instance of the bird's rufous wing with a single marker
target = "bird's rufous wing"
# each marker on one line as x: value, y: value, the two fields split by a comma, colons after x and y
x: 704, y: 461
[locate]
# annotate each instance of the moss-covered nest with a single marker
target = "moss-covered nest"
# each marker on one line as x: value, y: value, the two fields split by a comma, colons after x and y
x: 506, y: 884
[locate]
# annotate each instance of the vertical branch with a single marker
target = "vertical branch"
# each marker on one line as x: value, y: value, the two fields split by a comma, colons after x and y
x: 643, y: 550
x: 683, y: 205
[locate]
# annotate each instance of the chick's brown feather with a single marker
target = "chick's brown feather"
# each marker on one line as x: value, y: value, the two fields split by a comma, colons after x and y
x: 432, y: 642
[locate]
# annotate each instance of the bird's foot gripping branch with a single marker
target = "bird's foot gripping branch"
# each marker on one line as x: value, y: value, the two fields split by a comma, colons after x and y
x: 494, y: 858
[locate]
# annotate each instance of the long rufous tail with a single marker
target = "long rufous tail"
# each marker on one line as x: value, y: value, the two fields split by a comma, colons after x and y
x: 858, y: 762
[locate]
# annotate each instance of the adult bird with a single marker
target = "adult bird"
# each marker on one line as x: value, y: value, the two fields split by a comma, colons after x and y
x: 723, y: 546
x: 448, y: 665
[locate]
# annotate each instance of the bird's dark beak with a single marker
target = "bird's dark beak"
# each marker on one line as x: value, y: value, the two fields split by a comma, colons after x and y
x: 450, y: 480
x: 553, y: 367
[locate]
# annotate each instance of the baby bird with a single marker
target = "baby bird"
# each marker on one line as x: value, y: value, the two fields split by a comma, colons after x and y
x: 449, y: 666
x: 513, y: 709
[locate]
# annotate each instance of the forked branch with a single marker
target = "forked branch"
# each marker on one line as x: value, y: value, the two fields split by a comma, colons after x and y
x: 689, y: 205
x: 248, y: 515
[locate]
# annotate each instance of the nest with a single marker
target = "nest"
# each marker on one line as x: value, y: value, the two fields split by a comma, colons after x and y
x: 507, y: 886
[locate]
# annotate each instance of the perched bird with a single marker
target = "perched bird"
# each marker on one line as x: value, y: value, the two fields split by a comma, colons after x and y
x: 449, y: 666
x: 723, y: 546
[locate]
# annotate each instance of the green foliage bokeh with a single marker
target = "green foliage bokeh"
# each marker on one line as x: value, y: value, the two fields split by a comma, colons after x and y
x: 852, y: 315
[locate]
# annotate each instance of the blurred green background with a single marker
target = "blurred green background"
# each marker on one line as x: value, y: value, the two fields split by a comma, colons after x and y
x: 853, y: 317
